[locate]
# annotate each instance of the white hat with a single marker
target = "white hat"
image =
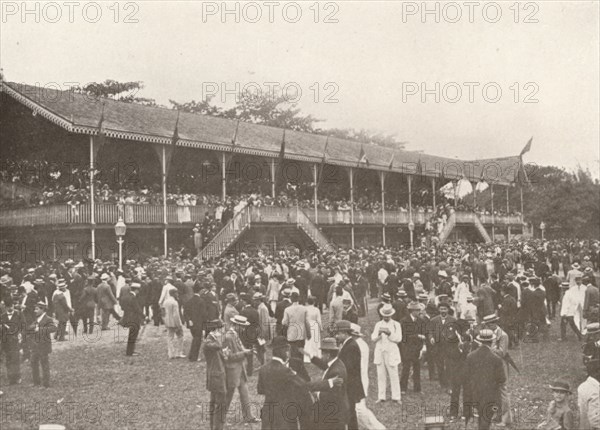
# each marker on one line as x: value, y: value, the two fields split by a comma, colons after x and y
x: 387, y: 310
x: 104, y: 276
x: 443, y: 274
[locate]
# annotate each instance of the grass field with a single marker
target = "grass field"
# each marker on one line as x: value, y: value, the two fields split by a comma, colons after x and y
x: 95, y: 386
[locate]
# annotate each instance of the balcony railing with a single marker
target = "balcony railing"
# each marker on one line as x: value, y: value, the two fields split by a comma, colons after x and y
x: 108, y: 214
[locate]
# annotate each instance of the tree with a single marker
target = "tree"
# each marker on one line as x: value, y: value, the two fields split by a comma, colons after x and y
x: 121, y: 91
x: 365, y: 136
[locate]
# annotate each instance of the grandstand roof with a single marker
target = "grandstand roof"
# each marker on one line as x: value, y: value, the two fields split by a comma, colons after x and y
x: 79, y: 113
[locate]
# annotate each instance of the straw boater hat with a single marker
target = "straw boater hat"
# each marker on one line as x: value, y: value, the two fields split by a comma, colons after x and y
x: 240, y: 320
x: 560, y: 386
x: 387, y: 310
x: 136, y: 285
x: 575, y: 266
x: 442, y: 274
x: 486, y: 335
x: 386, y: 297
x: 41, y: 305
x: 286, y: 292
x: 469, y: 298
x: 490, y: 318
x: 258, y: 296
x: 423, y: 297
x: 329, y: 344
x: 402, y: 294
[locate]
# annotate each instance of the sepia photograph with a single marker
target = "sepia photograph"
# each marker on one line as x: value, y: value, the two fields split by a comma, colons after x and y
x: 300, y: 215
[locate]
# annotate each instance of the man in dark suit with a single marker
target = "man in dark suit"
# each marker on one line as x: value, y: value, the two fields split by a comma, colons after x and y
x: 133, y: 317
x: 332, y: 409
x: 40, y: 344
x: 216, y: 379
x: 413, y: 336
x: 537, y: 309
x: 440, y: 328
x: 12, y: 323
x: 195, y: 316
x: 62, y: 310
x: 280, y: 310
x: 485, y: 377
x: 349, y: 354
x: 282, y: 388
x: 507, y: 311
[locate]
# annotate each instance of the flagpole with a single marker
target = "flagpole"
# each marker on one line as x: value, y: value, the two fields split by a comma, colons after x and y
x: 382, y: 181
x: 521, y: 192
x: 433, y: 192
x: 410, y: 216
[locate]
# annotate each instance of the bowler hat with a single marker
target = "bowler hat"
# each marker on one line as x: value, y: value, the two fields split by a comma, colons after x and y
x: 279, y: 342
x: 329, y: 344
x: 343, y: 325
x: 413, y: 306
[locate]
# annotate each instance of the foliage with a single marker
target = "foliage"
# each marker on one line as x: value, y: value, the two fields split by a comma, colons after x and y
x: 121, y: 91
x: 567, y: 202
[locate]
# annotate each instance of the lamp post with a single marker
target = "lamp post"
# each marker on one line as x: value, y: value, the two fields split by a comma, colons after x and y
x: 542, y: 227
x: 120, y: 229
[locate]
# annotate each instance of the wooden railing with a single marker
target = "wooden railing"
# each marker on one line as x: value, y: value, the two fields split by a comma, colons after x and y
x: 227, y: 236
x: 313, y: 231
x: 108, y: 214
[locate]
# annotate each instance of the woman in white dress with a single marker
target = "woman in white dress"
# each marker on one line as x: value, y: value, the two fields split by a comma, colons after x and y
x: 313, y: 317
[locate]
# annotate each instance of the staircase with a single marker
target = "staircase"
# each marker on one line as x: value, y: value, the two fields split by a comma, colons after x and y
x: 312, y: 231
x: 450, y: 223
x: 481, y: 229
x: 464, y: 218
x: 227, y: 236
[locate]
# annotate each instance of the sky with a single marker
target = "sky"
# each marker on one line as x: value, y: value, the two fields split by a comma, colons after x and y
x: 462, y: 79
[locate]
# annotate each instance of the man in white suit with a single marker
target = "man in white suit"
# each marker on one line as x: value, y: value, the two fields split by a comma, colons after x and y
x: 386, y: 335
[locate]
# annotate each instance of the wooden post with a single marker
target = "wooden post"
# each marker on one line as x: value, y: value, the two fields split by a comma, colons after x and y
x: 521, y: 192
x: 433, y: 191
x: 164, y: 190
x: 351, y: 173
x: 273, y: 177
x: 493, y: 216
x: 382, y: 183
x: 92, y: 200
x: 315, y: 193
x: 410, y: 216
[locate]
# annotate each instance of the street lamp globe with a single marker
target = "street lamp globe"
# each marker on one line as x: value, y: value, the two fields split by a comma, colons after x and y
x: 120, y: 228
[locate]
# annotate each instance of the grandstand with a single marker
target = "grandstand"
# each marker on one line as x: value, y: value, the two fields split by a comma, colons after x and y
x: 73, y: 166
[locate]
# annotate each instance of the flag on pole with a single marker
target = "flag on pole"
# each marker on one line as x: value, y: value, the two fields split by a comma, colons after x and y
x: 281, y: 156
x: 323, y: 162
x: 175, y: 137
x: 392, y: 161
x: 527, y: 147
x: 419, y: 168
x: 362, y: 157
x: 235, y: 133
x: 101, y: 131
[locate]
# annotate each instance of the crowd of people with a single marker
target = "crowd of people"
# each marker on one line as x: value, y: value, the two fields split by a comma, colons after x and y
x: 459, y: 309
